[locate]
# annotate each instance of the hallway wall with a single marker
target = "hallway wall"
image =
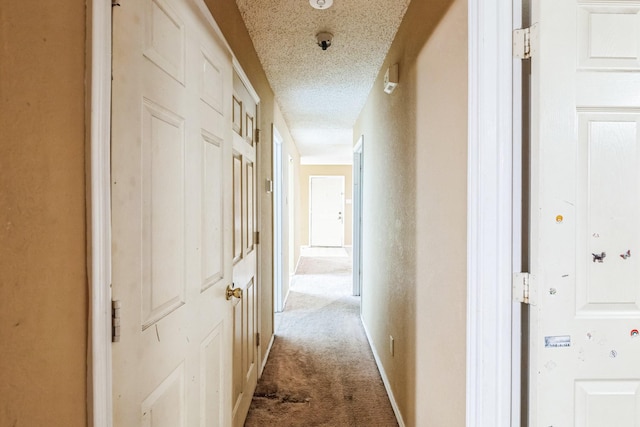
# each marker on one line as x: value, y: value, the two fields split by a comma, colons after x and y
x: 307, y: 171
x: 415, y: 171
x: 43, y: 275
x: 228, y: 18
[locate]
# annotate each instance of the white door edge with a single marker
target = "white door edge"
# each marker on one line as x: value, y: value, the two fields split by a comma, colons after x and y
x: 490, y: 215
x: 98, y: 73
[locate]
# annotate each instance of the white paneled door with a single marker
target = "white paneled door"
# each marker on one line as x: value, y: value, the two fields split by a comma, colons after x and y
x: 172, y: 217
x: 585, y: 259
x: 245, y: 309
x: 326, y: 209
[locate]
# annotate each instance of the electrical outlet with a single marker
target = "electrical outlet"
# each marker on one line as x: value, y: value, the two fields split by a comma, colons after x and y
x: 391, y: 346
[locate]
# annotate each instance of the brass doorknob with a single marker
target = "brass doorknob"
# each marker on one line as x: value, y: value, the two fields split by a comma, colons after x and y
x: 231, y: 292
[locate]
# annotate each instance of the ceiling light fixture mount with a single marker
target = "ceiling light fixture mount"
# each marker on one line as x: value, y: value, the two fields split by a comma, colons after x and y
x: 321, y: 4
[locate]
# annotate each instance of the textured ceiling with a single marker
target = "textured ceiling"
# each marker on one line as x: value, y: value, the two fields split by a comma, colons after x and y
x: 321, y: 92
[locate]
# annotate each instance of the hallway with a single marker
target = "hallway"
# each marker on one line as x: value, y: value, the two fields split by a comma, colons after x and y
x: 139, y: 179
x: 321, y: 371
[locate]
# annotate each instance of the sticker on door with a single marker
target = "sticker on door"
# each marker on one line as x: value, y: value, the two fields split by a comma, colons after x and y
x: 557, y: 341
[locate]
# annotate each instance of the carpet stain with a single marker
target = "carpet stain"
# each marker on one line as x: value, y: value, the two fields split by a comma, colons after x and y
x: 281, y: 399
x: 321, y: 371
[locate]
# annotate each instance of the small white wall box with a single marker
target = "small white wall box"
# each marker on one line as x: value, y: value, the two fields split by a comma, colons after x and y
x: 391, y: 78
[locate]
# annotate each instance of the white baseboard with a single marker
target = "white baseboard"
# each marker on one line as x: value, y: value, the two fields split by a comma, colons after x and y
x: 266, y: 355
x: 383, y: 374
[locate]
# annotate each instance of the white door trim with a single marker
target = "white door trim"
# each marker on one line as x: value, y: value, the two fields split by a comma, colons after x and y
x: 245, y: 79
x: 278, y: 224
x: 490, y: 215
x: 517, y: 123
x: 98, y: 118
x: 357, y: 216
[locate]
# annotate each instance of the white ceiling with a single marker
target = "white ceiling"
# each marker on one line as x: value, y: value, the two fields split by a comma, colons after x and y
x: 321, y: 92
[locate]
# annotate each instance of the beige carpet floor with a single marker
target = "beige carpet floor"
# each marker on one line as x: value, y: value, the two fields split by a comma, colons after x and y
x: 321, y: 371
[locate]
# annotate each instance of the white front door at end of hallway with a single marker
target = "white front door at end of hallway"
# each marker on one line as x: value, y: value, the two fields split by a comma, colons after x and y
x: 326, y: 211
x: 585, y: 205
x: 183, y: 221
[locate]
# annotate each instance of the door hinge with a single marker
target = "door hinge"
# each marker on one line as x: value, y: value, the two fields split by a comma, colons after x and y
x: 525, y: 42
x: 115, y: 321
x: 257, y: 138
x: 256, y: 237
x: 522, y: 290
x: 257, y: 339
x: 115, y: 3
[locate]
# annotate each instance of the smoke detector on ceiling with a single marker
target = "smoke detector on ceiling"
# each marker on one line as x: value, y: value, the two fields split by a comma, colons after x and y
x: 321, y: 4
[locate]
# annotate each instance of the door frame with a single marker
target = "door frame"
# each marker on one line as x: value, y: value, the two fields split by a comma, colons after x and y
x: 493, y: 349
x: 278, y: 221
x: 98, y: 177
x: 291, y: 210
x: 490, y: 192
x: 358, y: 175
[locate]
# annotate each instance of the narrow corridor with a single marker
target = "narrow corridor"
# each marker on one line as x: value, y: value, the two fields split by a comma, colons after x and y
x: 321, y: 371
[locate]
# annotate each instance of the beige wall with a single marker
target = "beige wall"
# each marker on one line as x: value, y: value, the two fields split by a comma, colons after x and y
x: 415, y: 215
x: 43, y: 276
x: 307, y: 171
